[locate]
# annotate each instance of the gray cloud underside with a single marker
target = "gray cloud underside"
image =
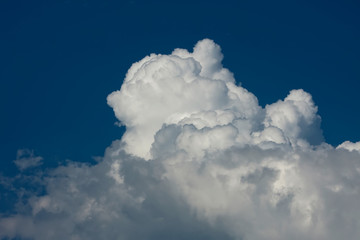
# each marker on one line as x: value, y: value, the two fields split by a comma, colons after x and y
x: 200, y: 159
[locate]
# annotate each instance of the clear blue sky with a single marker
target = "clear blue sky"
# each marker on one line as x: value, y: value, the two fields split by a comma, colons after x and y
x: 60, y: 59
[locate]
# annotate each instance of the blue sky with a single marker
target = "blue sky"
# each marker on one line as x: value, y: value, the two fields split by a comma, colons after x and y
x: 60, y: 59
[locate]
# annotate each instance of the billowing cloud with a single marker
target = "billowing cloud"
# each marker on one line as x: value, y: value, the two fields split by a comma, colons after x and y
x: 200, y: 159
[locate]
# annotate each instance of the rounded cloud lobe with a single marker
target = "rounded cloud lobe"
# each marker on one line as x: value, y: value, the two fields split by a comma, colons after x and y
x: 200, y: 159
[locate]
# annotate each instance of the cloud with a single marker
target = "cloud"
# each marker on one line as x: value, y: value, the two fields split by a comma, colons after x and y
x: 167, y: 88
x: 25, y: 159
x: 350, y: 146
x: 200, y: 159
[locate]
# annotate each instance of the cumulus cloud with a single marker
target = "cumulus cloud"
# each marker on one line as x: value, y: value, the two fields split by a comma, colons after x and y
x: 200, y: 159
x: 163, y: 89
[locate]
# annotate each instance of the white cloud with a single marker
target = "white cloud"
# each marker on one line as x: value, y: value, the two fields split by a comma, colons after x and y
x: 296, y: 116
x: 166, y: 88
x: 200, y: 159
x: 350, y: 146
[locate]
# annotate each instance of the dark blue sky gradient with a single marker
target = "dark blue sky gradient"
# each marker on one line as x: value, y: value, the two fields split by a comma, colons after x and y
x: 60, y: 59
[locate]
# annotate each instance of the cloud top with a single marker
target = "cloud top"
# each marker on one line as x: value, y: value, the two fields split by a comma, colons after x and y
x: 162, y: 89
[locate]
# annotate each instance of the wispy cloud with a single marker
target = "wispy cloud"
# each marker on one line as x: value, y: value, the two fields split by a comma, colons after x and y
x: 25, y: 159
